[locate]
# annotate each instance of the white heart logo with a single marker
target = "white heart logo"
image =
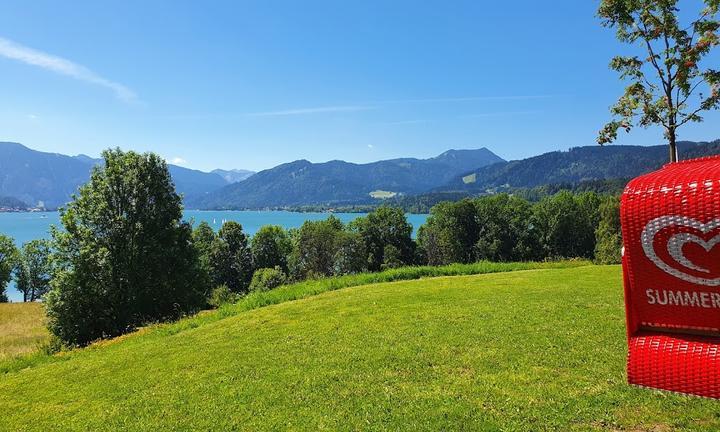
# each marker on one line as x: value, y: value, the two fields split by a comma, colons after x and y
x: 676, y: 243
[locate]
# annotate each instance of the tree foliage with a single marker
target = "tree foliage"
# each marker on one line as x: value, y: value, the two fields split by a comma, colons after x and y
x: 386, y: 226
x: 668, y: 84
x: 566, y: 224
x: 8, y: 258
x: 450, y: 233
x: 505, y: 229
x: 608, y: 236
x: 270, y: 247
x: 124, y: 258
x: 351, y: 255
x: 317, y: 245
x: 203, y: 237
x: 231, y: 258
x: 33, y: 270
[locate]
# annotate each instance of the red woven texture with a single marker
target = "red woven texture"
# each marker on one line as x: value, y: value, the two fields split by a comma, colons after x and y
x: 687, y: 364
x: 671, y: 232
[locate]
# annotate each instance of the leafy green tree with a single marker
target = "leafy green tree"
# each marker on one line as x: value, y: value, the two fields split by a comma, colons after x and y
x: 589, y: 203
x: 271, y: 247
x: 608, y: 234
x: 668, y: 87
x: 382, y: 227
x: 428, y: 245
x: 450, y: 233
x: 506, y: 232
x: 203, y: 237
x: 124, y: 258
x: 295, y: 269
x: 8, y: 258
x: 392, y: 258
x: 351, y: 255
x: 265, y: 279
x: 231, y: 258
x: 566, y: 224
x: 33, y: 270
x: 317, y: 245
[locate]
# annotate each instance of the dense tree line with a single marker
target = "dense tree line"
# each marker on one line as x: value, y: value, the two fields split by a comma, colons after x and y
x: 124, y: 257
x: 508, y: 228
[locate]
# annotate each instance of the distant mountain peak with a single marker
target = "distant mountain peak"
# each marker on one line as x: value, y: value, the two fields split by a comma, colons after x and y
x: 572, y: 166
x: 40, y: 177
x: 302, y: 182
x: 233, y: 175
x: 87, y: 159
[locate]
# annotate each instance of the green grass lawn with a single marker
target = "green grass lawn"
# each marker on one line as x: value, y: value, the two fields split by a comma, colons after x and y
x: 527, y: 350
x: 22, y: 329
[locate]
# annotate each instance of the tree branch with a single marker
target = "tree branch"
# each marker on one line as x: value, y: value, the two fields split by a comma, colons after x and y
x: 690, y: 116
x: 690, y: 93
x: 653, y: 60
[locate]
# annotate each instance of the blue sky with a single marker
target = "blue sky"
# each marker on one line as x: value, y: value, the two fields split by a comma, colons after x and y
x: 251, y: 84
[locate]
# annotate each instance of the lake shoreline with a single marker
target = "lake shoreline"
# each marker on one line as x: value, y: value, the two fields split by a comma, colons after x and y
x: 32, y: 225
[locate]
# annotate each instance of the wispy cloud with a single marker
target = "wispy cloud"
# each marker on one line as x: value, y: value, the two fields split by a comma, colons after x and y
x: 374, y: 105
x: 406, y: 122
x: 363, y: 106
x: 177, y: 161
x: 468, y: 99
x: 501, y: 113
x: 314, y: 110
x: 62, y: 66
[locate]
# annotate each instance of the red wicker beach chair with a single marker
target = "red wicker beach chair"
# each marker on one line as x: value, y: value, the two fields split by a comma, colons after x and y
x: 671, y: 263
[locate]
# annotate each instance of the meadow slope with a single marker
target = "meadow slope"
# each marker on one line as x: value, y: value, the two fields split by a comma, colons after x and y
x: 527, y: 350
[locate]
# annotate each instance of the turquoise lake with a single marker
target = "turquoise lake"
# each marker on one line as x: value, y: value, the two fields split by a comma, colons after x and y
x: 23, y: 227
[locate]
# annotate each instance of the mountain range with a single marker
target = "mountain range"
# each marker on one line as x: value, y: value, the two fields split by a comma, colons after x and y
x: 579, y: 164
x: 337, y: 182
x: 49, y: 179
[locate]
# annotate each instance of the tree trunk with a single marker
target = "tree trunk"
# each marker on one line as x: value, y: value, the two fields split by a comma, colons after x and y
x: 673, y: 146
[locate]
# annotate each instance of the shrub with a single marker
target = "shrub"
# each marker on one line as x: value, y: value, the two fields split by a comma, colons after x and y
x: 222, y: 295
x: 266, y: 279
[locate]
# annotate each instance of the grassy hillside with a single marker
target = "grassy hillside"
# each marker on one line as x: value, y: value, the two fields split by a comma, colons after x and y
x: 530, y: 350
x: 21, y: 328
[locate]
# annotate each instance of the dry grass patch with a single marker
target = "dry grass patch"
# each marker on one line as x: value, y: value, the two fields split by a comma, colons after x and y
x: 22, y: 328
